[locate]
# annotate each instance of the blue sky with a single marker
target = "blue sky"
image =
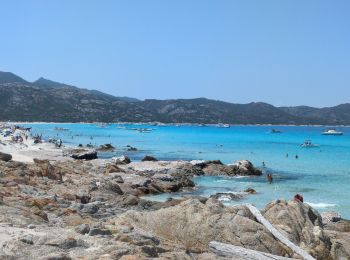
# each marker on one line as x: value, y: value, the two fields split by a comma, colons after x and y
x: 284, y: 52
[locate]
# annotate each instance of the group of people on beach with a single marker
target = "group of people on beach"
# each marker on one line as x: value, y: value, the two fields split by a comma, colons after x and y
x: 15, y: 133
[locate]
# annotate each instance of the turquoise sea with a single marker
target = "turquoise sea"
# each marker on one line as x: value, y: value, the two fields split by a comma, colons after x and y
x: 321, y: 175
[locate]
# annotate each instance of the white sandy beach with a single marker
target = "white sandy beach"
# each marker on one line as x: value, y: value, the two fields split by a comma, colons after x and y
x: 26, y: 151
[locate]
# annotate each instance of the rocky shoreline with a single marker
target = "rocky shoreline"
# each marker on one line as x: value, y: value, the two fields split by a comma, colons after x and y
x: 96, y: 209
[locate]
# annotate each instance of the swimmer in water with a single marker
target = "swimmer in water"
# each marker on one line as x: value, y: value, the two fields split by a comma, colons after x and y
x: 296, y: 156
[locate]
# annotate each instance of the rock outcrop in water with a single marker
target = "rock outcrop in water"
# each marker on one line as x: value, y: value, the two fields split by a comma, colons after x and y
x: 217, y: 168
x: 84, y: 155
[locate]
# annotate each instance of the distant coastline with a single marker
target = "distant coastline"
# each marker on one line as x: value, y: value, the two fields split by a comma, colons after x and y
x: 48, y: 101
x: 172, y: 124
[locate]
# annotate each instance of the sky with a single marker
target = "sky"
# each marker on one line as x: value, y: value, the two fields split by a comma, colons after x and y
x: 283, y: 52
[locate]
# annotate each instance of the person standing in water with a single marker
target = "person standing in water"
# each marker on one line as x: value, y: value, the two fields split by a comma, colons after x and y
x: 269, y: 177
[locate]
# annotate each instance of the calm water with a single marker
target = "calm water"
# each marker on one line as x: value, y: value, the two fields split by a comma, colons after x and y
x: 321, y: 175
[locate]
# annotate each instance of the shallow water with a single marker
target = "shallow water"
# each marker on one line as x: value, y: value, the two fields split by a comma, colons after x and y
x: 321, y: 175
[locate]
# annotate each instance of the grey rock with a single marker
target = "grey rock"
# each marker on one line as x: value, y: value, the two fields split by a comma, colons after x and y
x: 224, y: 196
x: 150, y: 251
x: 330, y: 217
x: 141, y: 183
x: 57, y: 256
x: 68, y: 243
x: 149, y: 158
x: 114, y: 187
x: 31, y: 226
x: 98, y: 231
x: 116, y: 177
x: 245, y: 167
x: 82, y: 229
x: 121, y: 160
x: 5, y: 157
x: 106, y: 148
x: 85, y: 155
x: 90, y: 208
x: 163, y: 177
x: 28, y: 239
x: 130, y: 200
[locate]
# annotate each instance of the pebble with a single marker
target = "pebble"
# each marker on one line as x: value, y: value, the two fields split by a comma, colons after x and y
x: 31, y: 226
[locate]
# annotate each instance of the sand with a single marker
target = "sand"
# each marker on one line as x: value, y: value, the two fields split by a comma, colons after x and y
x: 27, y: 150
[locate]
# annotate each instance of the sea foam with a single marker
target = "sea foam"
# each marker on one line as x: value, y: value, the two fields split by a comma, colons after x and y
x: 321, y: 205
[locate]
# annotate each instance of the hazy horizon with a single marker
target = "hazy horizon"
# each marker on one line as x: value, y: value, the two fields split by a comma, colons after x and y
x: 285, y: 53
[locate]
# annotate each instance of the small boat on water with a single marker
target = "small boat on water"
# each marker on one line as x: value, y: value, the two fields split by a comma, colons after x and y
x: 223, y: 125
x: 60, y: 129
x: 308, y: 144
x: 145, y: 130
x: 275, y: 131
x: 101, y: 125
x: 332, y: 132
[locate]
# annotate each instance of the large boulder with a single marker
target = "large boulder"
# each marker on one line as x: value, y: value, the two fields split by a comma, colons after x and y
x: 193, y: 224
x: 339, y: 233
x: 5, y: 157
x: 245, y: 167
x: 43, y: 168
x: 301, y: 224
x: 216, y: 168
x: 121, y: 160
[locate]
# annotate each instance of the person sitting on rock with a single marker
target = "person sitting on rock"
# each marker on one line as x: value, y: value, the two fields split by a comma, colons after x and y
x: 299, y: 198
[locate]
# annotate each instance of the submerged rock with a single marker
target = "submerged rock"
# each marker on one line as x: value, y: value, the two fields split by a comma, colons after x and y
x: 226, y: 196
x: 250, y: 191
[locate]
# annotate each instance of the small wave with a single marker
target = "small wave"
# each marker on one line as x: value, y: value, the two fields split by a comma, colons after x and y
x: 230, y: 178
x: 321, y: 205
x: 224, y: 198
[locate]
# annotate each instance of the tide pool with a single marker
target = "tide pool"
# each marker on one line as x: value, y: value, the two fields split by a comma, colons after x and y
x: 321, y: 175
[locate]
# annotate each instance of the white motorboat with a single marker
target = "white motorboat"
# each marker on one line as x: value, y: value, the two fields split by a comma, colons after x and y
x: 332, y: 132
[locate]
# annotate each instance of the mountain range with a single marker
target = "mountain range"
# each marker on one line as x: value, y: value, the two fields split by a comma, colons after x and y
x: 49, y: 101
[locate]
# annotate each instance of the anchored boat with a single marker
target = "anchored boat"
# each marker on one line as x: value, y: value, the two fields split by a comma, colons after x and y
x: 275, y: 131
x: 332, y: 132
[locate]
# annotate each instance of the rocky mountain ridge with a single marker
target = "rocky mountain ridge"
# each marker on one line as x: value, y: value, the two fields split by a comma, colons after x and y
x: 49, y: 101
